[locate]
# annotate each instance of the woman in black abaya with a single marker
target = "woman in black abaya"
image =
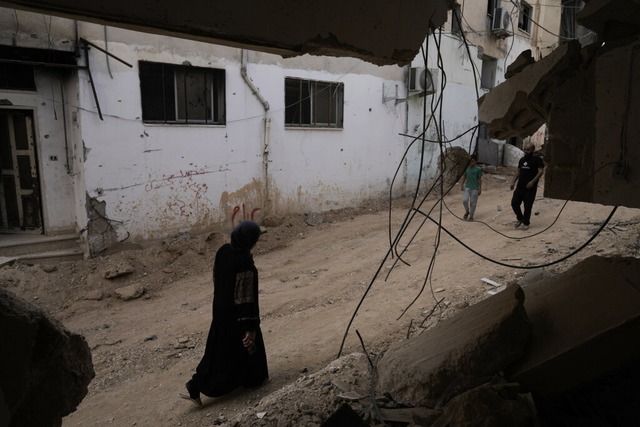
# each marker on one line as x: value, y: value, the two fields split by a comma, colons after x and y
x: 235, y: 354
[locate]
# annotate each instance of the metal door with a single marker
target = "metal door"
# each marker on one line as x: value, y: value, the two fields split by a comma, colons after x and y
x: 19, y: 182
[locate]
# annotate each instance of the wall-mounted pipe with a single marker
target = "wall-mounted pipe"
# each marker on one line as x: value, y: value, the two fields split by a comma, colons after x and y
x: 266, y: 208
x: 249, y: 82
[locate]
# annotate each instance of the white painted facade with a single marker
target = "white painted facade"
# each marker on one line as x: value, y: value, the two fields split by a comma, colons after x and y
x: 154, y: 180
x: 458, y: 60
x: 120, y: 178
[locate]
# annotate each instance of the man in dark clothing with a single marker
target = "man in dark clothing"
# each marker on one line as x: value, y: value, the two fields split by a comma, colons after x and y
x: 235, y: 354
x: 530, y: 169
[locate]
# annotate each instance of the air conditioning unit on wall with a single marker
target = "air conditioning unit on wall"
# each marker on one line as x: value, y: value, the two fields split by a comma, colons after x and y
x: 501, y: 23
x: 423, y: 80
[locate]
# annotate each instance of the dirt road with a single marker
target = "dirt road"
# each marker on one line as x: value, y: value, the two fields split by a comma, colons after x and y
x: 313, y: 273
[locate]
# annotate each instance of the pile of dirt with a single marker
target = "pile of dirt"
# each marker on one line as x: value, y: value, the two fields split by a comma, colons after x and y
x: 314, y: 270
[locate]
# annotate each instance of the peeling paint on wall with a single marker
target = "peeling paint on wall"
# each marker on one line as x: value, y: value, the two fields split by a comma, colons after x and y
x: 100, y: 231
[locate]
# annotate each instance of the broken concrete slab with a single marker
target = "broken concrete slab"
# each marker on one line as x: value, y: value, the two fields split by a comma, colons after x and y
x: 520, y: 105
x: 476, y: 343
x: 389, y: 32
x: 44, y: 368
x: 521, y: 62
x: 592, y: 143
x: 586, y: 322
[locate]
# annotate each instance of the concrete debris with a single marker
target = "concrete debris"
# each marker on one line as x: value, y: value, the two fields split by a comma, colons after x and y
x: 520, y: 105
x: 127, y: 293
x: 350, y: 395
x: 118, y: 270
x: 94, y: 295
x: 491, y: 282
x: 45, y: 374
x: 341, y: 385
x: 6, y: 260
x: 483, y: 339
x: 522, y: 61
x: 585, y: 323
x: 417, y: 416
x: 48, y: 268
x: 489, y: 406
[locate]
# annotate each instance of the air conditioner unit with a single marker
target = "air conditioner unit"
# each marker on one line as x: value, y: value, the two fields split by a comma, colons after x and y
x: 422, y: 80
x: 501, y: 23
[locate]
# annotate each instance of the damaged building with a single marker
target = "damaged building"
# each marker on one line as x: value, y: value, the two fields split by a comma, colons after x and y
x: 108, y: 153
x: 113, y: 134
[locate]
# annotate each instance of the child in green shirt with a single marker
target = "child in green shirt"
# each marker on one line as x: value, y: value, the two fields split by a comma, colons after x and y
x: 472, y: 187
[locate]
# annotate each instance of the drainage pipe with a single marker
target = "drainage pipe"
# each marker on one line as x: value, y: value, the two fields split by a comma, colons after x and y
x: 267, y: 127
x: 249, y: 82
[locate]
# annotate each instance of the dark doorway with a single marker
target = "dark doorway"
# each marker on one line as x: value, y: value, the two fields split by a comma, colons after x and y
x: 20, y: 207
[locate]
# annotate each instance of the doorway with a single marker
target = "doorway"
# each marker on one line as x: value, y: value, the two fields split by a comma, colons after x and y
x: 20, y: 203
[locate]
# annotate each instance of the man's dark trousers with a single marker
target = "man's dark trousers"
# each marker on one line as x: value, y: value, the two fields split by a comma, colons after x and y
x: 528, y: 196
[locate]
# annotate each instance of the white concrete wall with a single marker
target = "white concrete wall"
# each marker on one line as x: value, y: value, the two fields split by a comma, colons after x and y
x: 157, y: 180
x: 163, y: 179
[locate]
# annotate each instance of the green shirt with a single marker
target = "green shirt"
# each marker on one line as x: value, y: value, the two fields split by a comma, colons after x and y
x: 473, y: 175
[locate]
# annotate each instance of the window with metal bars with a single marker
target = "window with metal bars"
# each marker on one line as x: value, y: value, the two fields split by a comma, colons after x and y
x: 310, y: 103
x: 180, y: 94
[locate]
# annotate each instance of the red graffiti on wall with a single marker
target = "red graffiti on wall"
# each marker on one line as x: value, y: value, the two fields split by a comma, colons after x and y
x: 187, y: 194
x: 246, y: 216
x: 173, y: 179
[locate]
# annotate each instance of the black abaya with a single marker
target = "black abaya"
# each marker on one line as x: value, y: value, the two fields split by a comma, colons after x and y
x: 226, y: 363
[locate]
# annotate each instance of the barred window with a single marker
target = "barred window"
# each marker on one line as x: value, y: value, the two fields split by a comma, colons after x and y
x: 179, y: 94
x: 310, y: 103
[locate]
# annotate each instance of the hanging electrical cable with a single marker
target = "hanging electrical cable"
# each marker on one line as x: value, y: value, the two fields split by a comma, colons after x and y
x: 434, y: 121
x: 528, y: 267
x: 557, y: 215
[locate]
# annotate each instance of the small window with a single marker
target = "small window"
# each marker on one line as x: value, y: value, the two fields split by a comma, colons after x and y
x: 524, y: 20
x: 17, y: 77
x: 488, y: 77
x: 178, y: 94
x: 310, y: 103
